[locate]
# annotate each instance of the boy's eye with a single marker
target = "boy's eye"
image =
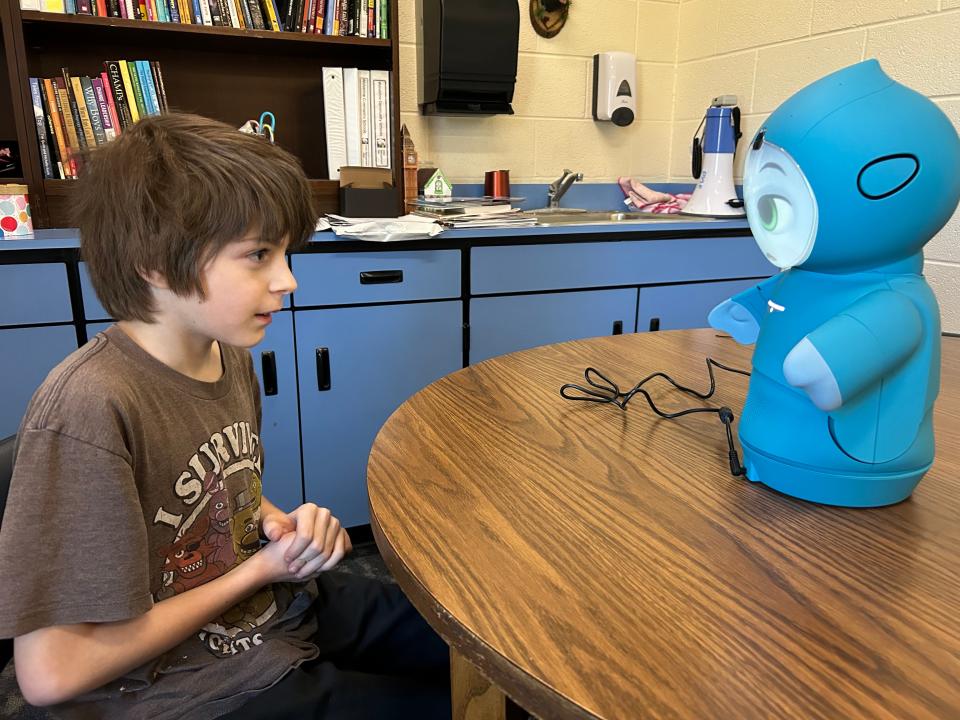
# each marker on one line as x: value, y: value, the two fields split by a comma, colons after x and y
x: 259, y: 255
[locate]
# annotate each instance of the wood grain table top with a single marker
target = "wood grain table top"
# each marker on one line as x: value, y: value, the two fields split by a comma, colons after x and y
x: 594, y: 562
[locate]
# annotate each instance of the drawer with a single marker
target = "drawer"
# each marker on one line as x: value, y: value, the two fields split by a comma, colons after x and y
x: 350, y: 278
x: 519, y: 268
x: 34, y: 293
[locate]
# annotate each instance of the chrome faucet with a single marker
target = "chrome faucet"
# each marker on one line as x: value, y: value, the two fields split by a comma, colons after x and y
x: 558, y: 188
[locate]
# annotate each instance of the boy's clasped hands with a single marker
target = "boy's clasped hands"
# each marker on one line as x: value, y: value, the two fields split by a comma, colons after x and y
x: 302, y: 544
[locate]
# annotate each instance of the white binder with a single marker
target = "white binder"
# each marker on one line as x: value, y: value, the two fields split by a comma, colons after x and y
x: 380, y: 79
x: 351, y: 112
x: 335, y: 124
x: 365, y: 123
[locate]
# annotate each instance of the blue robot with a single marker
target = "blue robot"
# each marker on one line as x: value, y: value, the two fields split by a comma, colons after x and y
x: 844, y: 184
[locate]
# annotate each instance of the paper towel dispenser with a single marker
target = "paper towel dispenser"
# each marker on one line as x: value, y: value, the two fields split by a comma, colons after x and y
x: 467, y: 57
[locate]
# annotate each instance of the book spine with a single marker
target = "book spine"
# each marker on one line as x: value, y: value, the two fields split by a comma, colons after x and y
x: 52, y: 143
x: 371, y: 18
x: 50, y: 95
x: 321, y: 16
x: 113, y: 8
x: 140, y: 85
x: 311, y: 17
x: 119, y: 92
x: 384, y: 19
x: 45, y: 159
x: 74, y: 109
x: 245, y: 11
x: 204, y: 7
x: 30, y: 5
x: 66, y: 148
x: 69, y: 7
x: 84, y: 7
x: 344, y: 17
x: 174, y: 11
x: 104, y: 109
x: 269, y: 19
x: 232, y: 13
x: 328, y: 17
x: 214, y: 8
x: 134, y: 91
x: 101, y: 8
x: 111, y: 103
x: 84, y: 114
x: 256, y: 14
x: 158, y: 83
x: 93, y: 110
x: 150, y: 91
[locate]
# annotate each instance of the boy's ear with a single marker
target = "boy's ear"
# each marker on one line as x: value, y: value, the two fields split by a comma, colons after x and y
x: 155, y: 279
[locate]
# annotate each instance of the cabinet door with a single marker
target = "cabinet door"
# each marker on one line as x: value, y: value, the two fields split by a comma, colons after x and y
x: 273, y: 360
x: 500, y: 325
x: 356, y: 366
x: 681, y: 307
x: 26, y: 356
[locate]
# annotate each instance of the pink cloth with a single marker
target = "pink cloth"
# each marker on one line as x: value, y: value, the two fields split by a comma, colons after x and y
x: 647, y: 200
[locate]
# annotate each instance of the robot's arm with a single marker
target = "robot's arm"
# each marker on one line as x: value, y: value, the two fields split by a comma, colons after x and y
x: 740, y: 315
x: 854, y: 350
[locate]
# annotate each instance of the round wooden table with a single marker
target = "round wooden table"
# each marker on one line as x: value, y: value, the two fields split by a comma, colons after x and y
x: 593, y: 562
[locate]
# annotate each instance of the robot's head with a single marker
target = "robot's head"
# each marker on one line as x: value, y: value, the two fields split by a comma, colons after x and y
x: 853, y: 172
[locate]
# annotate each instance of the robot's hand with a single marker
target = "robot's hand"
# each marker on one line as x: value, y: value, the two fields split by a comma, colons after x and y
x: 804, y: 367
x: 732, y: 317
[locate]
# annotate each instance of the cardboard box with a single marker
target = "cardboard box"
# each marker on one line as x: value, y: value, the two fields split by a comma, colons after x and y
x: 368, y: 192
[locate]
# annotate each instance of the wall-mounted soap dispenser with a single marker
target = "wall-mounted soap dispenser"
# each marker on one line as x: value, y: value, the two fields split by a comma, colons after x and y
x: 467, y: 57
x: 615, y: 87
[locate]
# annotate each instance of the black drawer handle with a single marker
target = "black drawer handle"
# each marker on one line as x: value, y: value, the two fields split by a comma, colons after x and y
x: 618, y: 327
x: 654, y: 324
x: 380, y: 277
x: 323, y: 368
x: 268, y: 363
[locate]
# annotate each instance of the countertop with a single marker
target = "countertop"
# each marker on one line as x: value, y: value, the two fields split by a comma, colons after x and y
x: 67, y: 238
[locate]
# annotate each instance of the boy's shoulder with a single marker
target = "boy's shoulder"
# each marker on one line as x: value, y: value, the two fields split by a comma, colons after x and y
x: 86, y: 390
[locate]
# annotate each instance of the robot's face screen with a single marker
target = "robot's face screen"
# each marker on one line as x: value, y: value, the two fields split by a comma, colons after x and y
x: 780, y: 206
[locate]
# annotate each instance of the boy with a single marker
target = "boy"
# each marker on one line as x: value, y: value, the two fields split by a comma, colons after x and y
x: 133, y: 578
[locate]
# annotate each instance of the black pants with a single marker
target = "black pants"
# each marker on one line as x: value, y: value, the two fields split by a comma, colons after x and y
x: 378, y: 659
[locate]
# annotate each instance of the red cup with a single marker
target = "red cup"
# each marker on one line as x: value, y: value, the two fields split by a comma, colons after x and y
x: 496, y: 183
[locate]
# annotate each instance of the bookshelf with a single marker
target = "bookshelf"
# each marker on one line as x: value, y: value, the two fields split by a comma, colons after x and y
x: 225, y: 73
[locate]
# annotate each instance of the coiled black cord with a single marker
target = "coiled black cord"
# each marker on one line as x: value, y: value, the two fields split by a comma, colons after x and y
x: 606, y: 391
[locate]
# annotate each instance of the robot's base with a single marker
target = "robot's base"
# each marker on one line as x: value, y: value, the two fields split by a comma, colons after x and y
x: 830, y: 488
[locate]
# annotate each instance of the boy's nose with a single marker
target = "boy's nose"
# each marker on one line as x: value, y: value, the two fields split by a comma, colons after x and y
x: 283, y: 281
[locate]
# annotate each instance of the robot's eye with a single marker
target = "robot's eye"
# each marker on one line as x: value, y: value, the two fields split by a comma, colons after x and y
x: 775, y: 212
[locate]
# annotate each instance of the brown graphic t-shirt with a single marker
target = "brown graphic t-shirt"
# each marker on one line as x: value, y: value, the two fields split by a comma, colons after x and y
x: 134, y: 483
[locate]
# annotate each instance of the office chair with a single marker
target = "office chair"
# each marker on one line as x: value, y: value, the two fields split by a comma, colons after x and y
x: 6, y: 472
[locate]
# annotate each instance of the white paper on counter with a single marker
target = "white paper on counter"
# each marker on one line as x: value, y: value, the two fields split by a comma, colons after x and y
x: 408, y: 227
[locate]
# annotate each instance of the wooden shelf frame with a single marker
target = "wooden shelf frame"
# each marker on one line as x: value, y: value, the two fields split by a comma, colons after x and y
x: 36, y: 43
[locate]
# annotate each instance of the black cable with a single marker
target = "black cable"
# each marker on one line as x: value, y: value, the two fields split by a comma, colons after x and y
x: 608, y: 392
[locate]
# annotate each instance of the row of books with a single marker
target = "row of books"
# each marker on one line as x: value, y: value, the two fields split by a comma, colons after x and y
x: 73, y: 113
x: 363, y: 18
x: 357, y: 116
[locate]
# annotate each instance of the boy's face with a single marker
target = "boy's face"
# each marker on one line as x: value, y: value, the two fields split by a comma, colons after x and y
x: 244, y: 284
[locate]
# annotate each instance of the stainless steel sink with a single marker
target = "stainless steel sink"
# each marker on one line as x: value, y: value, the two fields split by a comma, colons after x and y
x: 567, y: 216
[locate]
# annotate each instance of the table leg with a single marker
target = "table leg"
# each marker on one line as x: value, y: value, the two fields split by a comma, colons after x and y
x: 475, y: 697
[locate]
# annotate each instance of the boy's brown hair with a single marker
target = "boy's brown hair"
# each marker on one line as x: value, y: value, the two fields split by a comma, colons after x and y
x: 169, y: 193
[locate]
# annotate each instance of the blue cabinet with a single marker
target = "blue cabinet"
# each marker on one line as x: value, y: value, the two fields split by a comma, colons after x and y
x: 681, y: 307
x: 275, y: 364
x: 500, y: 325
x: 26, y: 356
x: 356, y: 366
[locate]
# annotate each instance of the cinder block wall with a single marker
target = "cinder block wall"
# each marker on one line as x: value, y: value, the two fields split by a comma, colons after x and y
x: 764, y: 50
x: 688, y: 51
x: 552, y: 128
